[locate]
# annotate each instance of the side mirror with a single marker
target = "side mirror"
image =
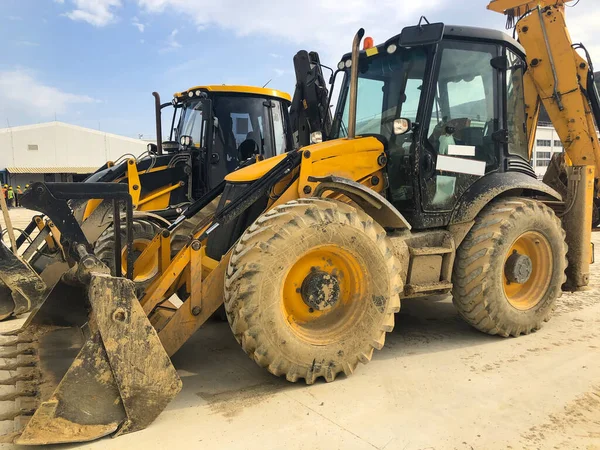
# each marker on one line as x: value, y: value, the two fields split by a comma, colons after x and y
x: 402, y: 126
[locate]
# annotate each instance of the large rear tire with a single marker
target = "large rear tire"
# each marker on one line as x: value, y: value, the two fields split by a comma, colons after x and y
x: 311, y: 289
x: 510, y: 268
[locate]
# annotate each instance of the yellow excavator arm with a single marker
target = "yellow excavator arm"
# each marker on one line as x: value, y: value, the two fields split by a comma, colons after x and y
x: 556, y: 75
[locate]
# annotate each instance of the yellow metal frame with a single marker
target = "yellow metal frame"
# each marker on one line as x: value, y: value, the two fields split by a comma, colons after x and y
x: 238, y: 89
x: 157, y: 199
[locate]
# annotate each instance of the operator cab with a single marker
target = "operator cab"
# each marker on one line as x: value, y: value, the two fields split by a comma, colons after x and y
x: 462, y: 94
x: 227, y: 126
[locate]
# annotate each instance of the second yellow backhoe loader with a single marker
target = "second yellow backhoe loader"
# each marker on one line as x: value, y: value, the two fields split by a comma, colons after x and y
x: 249, y: 122
x: 424, y: 187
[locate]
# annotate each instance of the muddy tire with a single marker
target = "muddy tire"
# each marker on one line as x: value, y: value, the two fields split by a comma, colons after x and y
x: 143, y: 233
x: 510, y: 268
x: 311, y: 289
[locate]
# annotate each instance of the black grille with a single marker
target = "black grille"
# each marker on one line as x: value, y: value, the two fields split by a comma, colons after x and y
x: 518, y: 165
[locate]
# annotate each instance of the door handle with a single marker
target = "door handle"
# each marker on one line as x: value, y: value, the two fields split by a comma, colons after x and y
x: 428, y: 165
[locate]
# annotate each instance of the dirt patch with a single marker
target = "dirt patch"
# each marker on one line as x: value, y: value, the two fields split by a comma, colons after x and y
x: 578, y: 422
x: 230, y: 403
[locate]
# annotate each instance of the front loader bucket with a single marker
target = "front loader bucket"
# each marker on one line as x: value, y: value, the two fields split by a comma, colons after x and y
x: 87, y: 364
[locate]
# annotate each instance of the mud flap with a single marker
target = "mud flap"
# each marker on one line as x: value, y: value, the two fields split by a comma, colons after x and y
x: 21, y: 289
x: 97, y: 366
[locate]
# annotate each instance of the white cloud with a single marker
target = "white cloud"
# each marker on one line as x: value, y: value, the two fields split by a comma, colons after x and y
x: 171, y: 43
x: 22, y: 91
x: 14, y: 18
x: 27, y: 43
x: 98, y: 13
x: 303, y: 26
x: 136, y: 23
x: 279, y: 72
x: 274, y: 55
x: 60, y: 2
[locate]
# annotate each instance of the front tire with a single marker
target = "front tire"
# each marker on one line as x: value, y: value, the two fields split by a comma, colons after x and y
x: 311, y: 289
x: 510, y: 268
x: 144, y: 232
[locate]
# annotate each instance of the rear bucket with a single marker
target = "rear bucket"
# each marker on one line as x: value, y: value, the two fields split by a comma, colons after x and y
x: 87, y: 364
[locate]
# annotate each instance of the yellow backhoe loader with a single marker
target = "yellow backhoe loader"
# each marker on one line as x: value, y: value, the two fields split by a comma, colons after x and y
x: 248, y: 121
x: 424, y: 187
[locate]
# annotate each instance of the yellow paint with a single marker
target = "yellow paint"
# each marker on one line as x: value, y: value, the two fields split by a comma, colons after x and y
x: 145, y: 271
x: 321, y: 326
x: 353, y: 159
x: 251, y: 90
x: 254, y: 171
x: 527, y: 295
x: 505, y: 5
x: 372, y: 51
x: 155, y: 195
x: 90, y: 207
x: 133, y: 178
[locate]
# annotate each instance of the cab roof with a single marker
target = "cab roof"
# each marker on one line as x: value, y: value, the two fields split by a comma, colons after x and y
x: 475, y: 34
x: 247, y: 90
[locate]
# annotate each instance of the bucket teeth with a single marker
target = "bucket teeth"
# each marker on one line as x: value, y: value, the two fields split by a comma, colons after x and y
x: 9, y: 438
x: 16, y: 332
x: 23, y: 374
x: 21, y: 339
x: 24, y: 406
x: 19, y: 361
x: 22, y: 389
x: 22, y: 349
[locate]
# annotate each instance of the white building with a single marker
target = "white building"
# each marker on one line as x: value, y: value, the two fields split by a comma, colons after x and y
x: 547, y: 142
x: 57, y: 151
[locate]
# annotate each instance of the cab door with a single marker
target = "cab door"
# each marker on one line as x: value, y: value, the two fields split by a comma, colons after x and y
x: 460, y: 130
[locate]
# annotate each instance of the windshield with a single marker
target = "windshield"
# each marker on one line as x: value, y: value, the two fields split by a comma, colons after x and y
x: 191, y: 121
x: 389, y: 87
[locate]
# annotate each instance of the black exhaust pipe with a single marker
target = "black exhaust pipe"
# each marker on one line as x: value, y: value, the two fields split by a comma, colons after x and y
x: 158, y: 109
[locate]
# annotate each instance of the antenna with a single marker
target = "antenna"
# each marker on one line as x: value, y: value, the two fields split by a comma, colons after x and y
x: 266, y: 84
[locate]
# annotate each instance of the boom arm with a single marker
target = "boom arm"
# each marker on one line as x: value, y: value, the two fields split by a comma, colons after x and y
x: 557, y: 75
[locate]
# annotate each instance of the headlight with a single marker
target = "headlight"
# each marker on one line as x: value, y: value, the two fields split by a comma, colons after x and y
x: 185, y: 141
x: 316, y: 137
x: 341, y: 65
x: 392, y: 48
x: 348, y: 63
x: 198, y: 93
x: 190, y: 94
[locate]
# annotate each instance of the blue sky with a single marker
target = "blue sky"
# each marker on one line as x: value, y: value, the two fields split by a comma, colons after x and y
x: 95, y: 62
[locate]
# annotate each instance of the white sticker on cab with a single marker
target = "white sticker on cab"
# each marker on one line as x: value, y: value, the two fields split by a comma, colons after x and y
x: 460, y: 165
x: 461, y: 150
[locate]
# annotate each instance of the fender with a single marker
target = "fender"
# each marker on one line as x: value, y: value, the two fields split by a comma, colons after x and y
x: 486, y: 189
x: 371, y: 202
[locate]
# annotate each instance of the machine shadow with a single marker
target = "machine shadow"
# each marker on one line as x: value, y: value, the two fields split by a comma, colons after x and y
x: 215, y: 370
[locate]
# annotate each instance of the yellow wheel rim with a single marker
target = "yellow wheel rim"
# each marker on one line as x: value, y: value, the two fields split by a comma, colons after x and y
x: 525, y: 294
x: 148, y: 270
x: 322, y: 294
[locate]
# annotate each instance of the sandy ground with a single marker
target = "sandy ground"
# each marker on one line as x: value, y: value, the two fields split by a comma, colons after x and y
x: 437, y: 384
